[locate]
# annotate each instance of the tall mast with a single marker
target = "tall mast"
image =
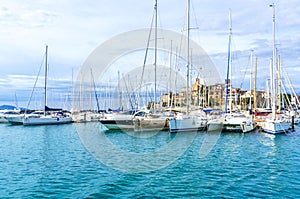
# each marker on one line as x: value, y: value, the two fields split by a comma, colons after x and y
x: 95, y: 92
x: 251, y: 67
x: 120, y: 92
x: 255, y: 79
x: 273, y: 66
x: 155, y: 54
x: 46, y: 76
x: 279, y: 82
x: 72, y: 92
x: 188, y: 58
x: 268, y: 104
x: 175, y: 78
x: 170, y: 78
x: 272, y: 86
x: 228, y: 65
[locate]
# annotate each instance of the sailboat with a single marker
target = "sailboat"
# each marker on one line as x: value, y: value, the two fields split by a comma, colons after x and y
x: 146, y: 120
x: 151, y: 120
x: 195, y: 120
x: 231, y: 121
x: 274, y: 124
x: 48, y: 115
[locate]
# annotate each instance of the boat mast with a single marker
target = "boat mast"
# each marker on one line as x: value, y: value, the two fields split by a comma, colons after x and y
x: 46, y: 76
x: 268, y: 104
x: 95, y: 92
x: 279, y: 83
x: 273, y: 66
x: 255, y: 92
x: 272, y: 89
x: 188, y: 58
x: 120, y: 92
x: 228, y: 65
x: 250, y: 102
x: 170, y: 79
x: 155, y: 55
x: 174, y: 96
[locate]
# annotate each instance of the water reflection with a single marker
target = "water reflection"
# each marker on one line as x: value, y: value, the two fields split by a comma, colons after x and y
x: 109, y: 152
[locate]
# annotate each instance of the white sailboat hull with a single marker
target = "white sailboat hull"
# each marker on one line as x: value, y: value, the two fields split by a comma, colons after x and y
x: 111, y: 124
x: 232, y: 123
x: 117, y: 121
x: 149, y: 124
x: 187, y: 124
x: 15, y: 119
x: 44, y: 120
x: 275, y: 127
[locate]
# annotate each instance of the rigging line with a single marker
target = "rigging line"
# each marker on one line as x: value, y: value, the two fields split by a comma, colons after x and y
x: 290, y: 88
x: 284, y: 96
x: 291, y: 85
x: 135, y: 96
x: 35, y: 83
x: 287, y: 102
x: 248, y: 64
x: 181, y: 39
x: 235, y: 59
x: 95, y: 92
x: 150, y: 96
x: 160, y: 30
x: 147, y: 48
x: 196, y: 21
x: 127, y: 92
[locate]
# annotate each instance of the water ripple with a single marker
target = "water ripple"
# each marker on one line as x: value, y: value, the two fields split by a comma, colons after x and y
x: 51, y: 162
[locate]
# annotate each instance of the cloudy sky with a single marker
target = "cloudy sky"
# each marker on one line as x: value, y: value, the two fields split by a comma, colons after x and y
x: 73, y: 29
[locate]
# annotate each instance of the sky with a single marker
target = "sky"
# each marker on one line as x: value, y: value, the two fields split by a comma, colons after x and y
x: 73, y: 29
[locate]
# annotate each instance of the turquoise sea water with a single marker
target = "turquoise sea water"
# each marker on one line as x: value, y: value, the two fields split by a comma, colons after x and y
x: 52, y: 162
